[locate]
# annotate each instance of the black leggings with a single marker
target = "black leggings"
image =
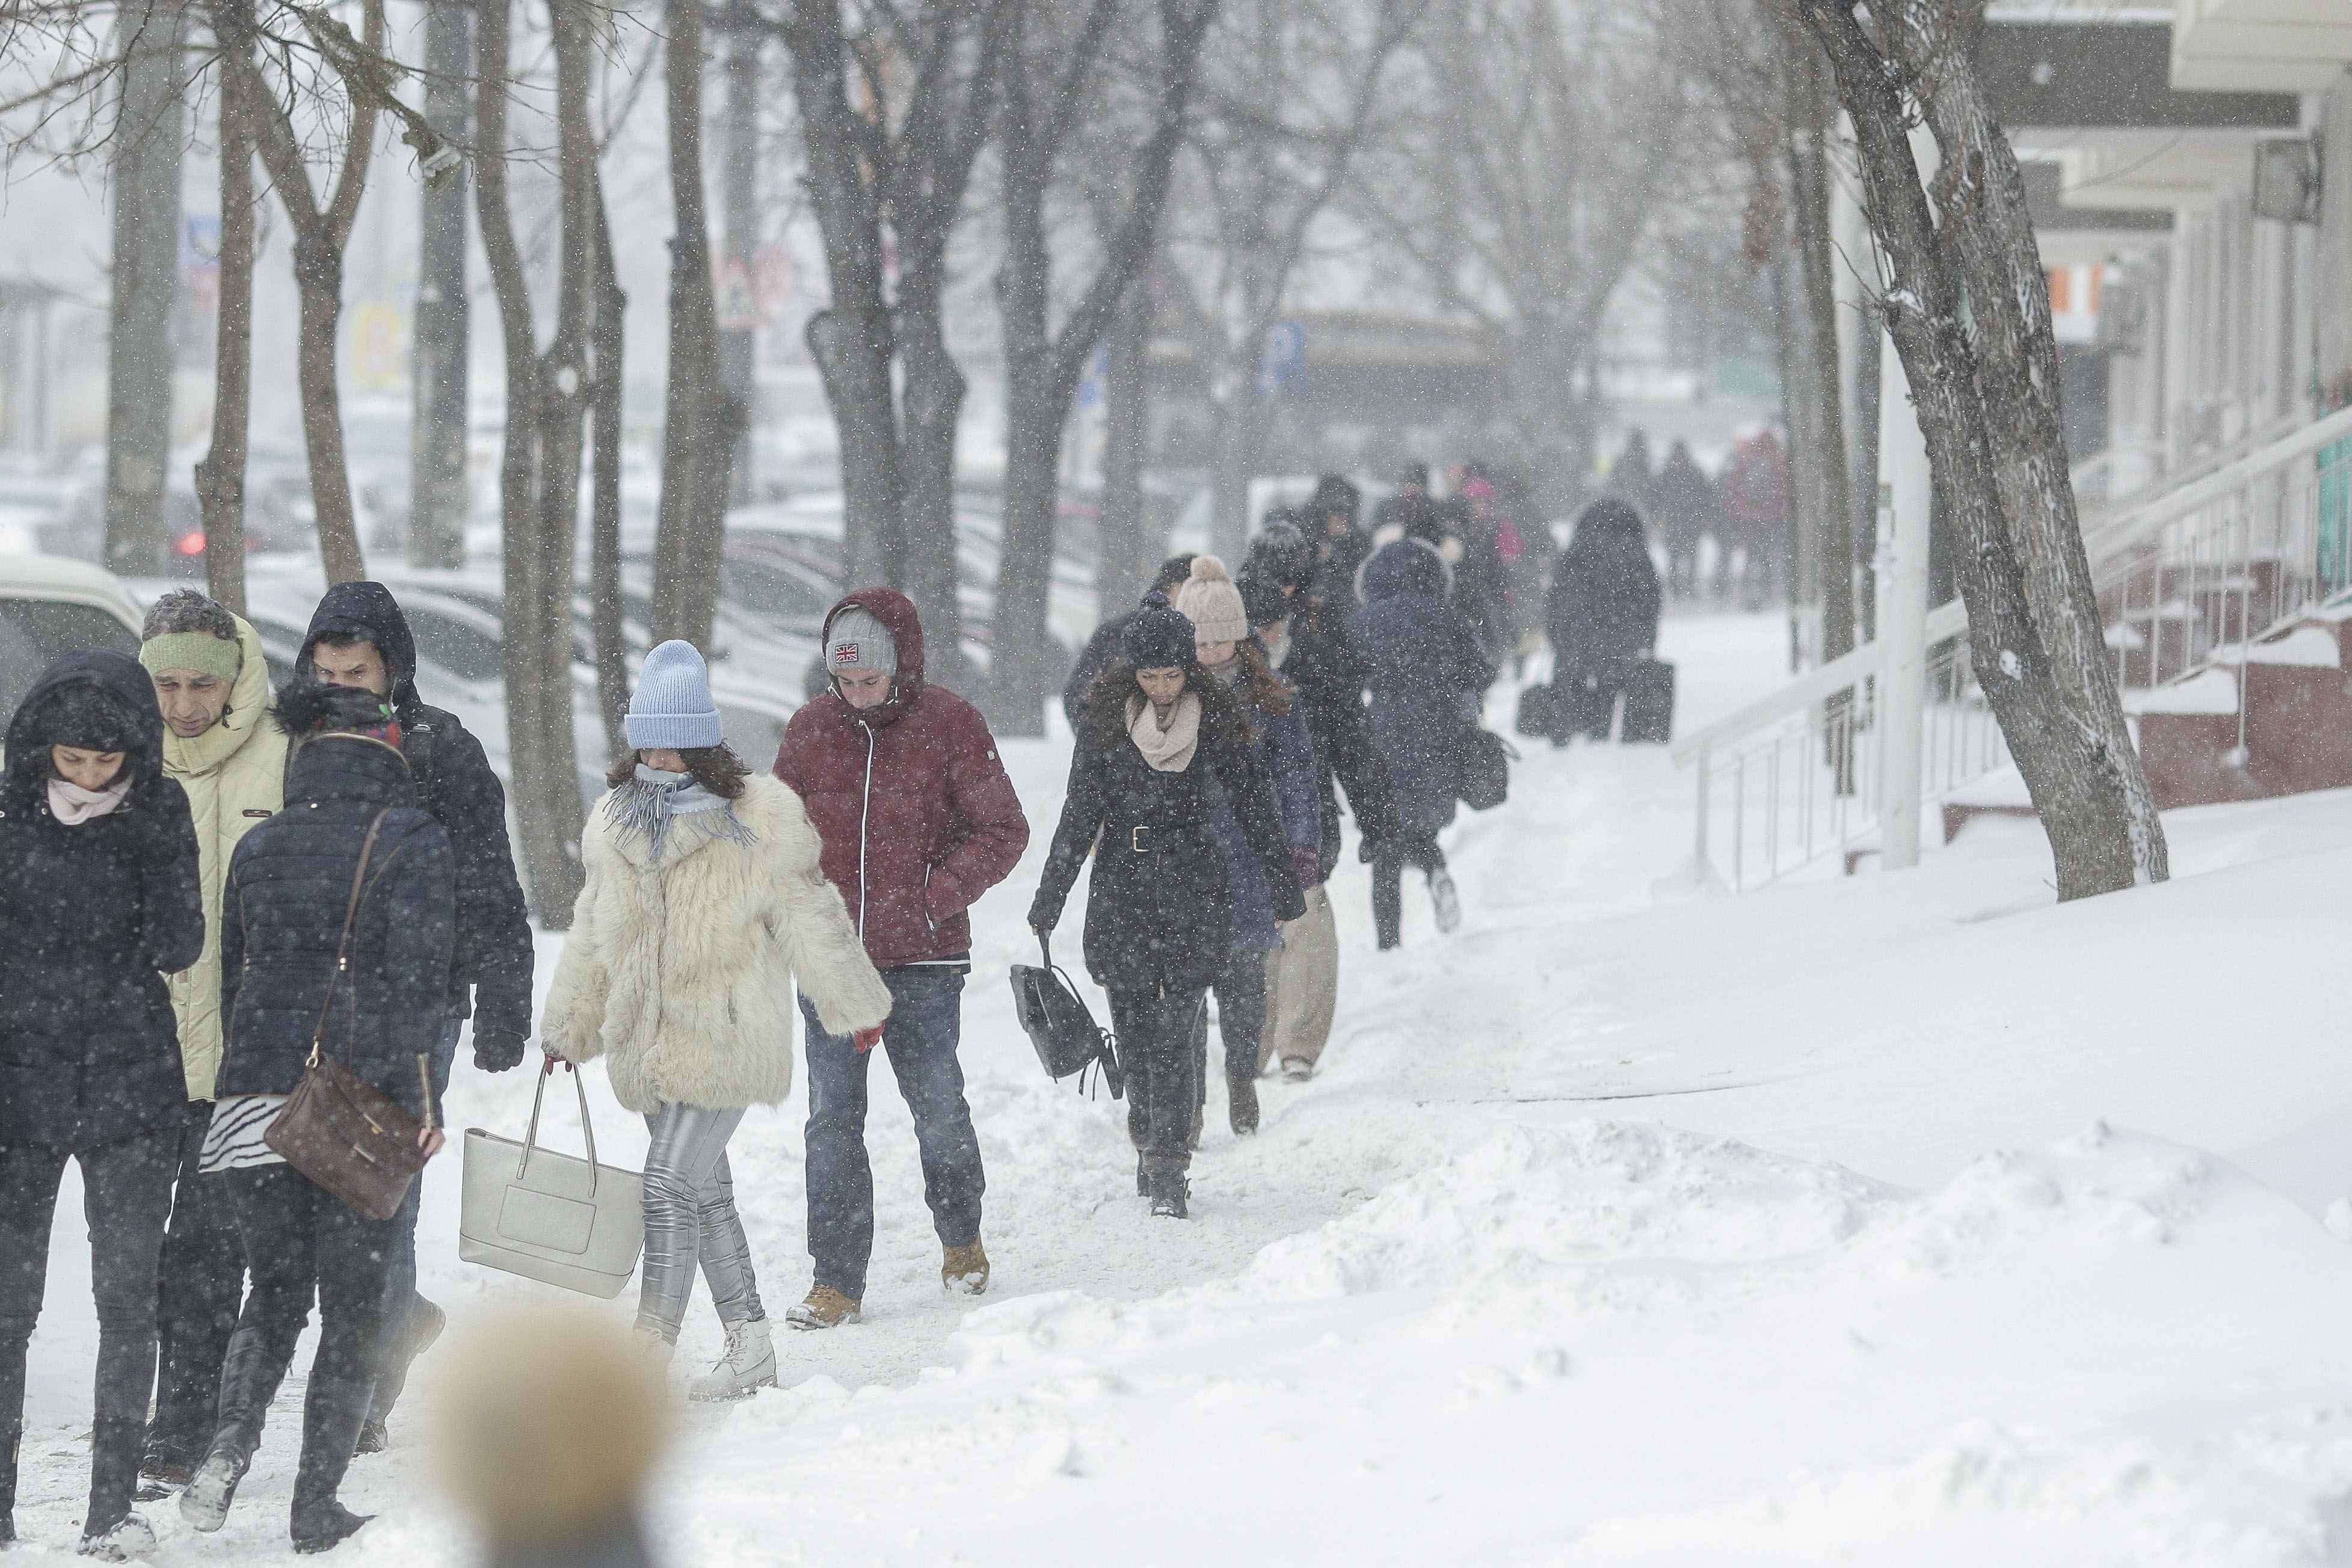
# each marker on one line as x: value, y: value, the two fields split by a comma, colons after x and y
x: 1239, y: 986
x: 301, y: 1240
x: 126, y: 1196
x: 1155, y: 1031
x: 1390, y: 858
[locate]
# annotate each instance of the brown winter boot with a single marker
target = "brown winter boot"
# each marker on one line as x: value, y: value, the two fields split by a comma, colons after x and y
x: 1240, y: 1103
x: 963, y: 1271
x: 825, y: 1308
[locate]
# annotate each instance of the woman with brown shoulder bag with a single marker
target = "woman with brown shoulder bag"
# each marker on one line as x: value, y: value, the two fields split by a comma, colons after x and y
x: 336, y: 929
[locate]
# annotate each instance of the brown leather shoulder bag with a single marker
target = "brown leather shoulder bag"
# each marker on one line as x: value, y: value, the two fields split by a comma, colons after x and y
x: 337, y: 1128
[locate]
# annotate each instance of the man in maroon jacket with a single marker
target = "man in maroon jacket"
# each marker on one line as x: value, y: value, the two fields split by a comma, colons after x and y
x: 918, y: 819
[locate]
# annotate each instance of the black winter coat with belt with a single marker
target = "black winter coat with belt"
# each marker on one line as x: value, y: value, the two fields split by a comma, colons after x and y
x: 289, y: 883
x: 455, y: 787
x: 92, y: 916
x: 1160, y: 909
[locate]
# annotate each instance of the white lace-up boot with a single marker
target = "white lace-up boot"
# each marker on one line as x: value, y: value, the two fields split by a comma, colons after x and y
x: 749, y: 1363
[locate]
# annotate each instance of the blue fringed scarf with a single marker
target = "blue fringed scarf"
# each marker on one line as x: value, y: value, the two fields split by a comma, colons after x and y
x: 653, y: 801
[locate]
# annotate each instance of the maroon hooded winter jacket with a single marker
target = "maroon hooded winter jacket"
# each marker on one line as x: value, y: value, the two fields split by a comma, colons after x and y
x: 917, y: 815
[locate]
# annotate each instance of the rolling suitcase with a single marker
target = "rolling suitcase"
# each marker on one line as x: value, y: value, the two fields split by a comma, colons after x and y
x: 1650, y: 703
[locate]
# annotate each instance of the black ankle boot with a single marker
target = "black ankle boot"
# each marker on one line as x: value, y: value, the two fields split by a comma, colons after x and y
x: 8, y: 1437
x: 250, y: 1379
x: 1168, y: 1191
x: 321, y: 1524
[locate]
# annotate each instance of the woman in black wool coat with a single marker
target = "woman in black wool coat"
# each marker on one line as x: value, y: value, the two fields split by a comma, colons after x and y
x: 1605, y: 617
x: 1159, y: 739
x: 282, y: 917
x: 98, y: 898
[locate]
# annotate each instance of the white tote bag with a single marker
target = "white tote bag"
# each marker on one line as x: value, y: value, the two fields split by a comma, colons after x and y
x: 549, y: 1216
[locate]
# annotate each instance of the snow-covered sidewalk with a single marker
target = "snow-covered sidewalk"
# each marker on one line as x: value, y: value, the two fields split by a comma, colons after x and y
x: 1905, y: 1219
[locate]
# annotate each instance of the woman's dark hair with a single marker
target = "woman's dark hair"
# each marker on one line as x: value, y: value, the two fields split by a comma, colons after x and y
x: 715, y: 767
x: 1103, y: 716
x: 1267, y: 690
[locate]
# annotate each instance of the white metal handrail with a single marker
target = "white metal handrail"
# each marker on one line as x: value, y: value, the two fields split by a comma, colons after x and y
x: 2222, y: 560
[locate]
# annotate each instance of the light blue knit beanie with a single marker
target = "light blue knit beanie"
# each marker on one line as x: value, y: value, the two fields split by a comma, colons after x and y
x: 672, y: 707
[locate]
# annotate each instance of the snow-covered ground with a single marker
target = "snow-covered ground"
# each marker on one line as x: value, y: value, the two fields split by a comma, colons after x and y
x: 1905, y: 1219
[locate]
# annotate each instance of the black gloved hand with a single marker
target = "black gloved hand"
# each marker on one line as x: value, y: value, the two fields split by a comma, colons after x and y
x: 497, y: 1050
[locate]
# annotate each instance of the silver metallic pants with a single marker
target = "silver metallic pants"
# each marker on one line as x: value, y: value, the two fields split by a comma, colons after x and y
x: 690, y: 1217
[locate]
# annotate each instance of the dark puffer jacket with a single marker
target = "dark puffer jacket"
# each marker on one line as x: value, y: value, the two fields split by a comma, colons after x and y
x: 1160, y: 909
x: 1322, y: 664
x: 918, y: 817
x: 91, y: 918
x: 455, y: 787
x: 283, y: 919
x: 1426, y: 670
x: 1604, y: 598
x: 1286, y: 756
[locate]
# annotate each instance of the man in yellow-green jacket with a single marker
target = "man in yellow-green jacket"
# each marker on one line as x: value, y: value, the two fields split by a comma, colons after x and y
x: 229, y: 754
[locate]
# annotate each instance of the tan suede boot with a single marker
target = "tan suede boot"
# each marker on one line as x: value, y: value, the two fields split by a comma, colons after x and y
x: 963, y: 1271
x: 825, y: 1308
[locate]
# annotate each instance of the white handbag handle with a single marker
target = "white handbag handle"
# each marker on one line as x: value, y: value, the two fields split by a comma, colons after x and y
x: 587, y: 1128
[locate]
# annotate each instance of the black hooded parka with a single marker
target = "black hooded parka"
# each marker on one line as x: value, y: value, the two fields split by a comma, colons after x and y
x: 92, y: 916
x: 457, y: 787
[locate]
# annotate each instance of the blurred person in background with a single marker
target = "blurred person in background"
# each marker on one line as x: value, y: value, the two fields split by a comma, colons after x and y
x: 226, y: 751
x: 336, y: 926
x: 1329, y: 521
x: 1305, y: 637
x: 1161, y: 737
x: 1604, y: 617
x: 1282, y: 752
x: 903, y: 783
x: 100, y: 896
x: 1426, y: 670
x: 1756, y: 495
x: 704, y: 903
x: 1689, y: 509
x: 1630, y: 479
x: 359, y: 637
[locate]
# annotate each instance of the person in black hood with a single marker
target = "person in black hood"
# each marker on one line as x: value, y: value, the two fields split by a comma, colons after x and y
x: 100, y: 898
x: 1603, y: 618
x: 340, y: 913
x: 358, y: 637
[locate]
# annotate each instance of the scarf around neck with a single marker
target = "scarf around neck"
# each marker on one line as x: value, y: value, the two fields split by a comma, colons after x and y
x: 653, y: 802
x: 1166, y: 750
x: 71, y: 804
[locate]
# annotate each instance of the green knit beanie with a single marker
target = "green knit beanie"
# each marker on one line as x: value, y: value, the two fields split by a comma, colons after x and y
x: 199, y: 651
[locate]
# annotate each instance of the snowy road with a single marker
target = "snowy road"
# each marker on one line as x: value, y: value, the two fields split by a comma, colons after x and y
x: 1463, y: 1300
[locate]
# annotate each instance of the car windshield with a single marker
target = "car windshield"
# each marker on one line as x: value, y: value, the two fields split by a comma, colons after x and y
x: 34, y: 632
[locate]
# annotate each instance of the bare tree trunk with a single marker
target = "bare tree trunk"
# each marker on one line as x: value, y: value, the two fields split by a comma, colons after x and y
x: 698, y: 442
x: 2083, y: 775
x: 739, y: 182
x: 319, y: 235
x: 220, y: 477
x: 1044, y: 86
x: 930, y: 406
x: 145, y: 180
x: 608, y: 340
x: 1867, y: 366
x: 539, y: 487
x: 437, y: 502
x: 1128, y: 552
x: 1832, y: 529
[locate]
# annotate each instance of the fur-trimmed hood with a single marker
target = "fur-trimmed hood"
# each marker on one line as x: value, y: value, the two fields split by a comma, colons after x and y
x: 680, y: 973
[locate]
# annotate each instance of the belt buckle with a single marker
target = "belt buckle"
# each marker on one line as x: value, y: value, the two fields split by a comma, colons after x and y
x: 1135, y: 839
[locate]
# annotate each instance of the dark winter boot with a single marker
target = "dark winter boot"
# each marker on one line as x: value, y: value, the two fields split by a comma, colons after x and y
x: 250, y: 1379
x: 424, y: 1324
x: 8, y: 1445
x: 114, y: 1450
x: 331, y: 1413
x: 1167, y: 1190
x: 1388, y: 894
x: 1240, y: 1103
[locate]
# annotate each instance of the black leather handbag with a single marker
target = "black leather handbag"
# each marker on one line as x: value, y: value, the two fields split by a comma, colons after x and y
x: 1066, y: 1037
x: 1484, y: 759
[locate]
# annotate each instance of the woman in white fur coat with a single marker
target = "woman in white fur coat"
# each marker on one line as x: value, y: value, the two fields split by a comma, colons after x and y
x: 703, y: 904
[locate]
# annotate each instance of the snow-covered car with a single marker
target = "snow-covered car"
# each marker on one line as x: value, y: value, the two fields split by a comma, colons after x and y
x: 51, y: 605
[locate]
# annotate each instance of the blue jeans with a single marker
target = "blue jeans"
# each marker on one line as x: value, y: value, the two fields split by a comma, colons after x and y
x: 926, y: 1023
x: 400, y: 1297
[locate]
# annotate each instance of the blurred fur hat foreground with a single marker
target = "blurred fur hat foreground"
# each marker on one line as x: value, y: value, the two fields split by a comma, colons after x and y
x: 549, y: 1423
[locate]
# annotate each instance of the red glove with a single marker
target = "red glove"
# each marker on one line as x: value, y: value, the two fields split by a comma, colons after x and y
x: 866, y: 1039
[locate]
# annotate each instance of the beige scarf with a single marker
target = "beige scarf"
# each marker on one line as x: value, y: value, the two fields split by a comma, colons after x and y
x: 1169, y: 751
